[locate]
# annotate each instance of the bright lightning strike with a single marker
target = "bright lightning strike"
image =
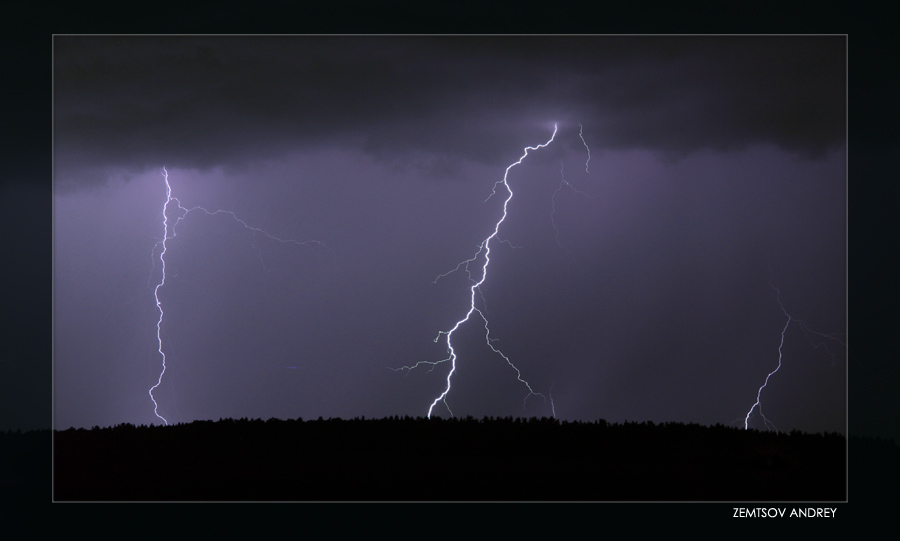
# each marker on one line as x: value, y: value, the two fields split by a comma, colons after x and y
x: 162, y: 282
x: 807, y: 331
x: 485, y: 247
x: 169, y: 233
x: 757, y: 404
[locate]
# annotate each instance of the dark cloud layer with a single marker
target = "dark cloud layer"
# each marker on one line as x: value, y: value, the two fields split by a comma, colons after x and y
x: 134, y: 102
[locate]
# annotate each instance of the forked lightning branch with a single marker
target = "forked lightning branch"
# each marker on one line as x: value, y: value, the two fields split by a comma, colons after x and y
x: 484, y: 251
x: 169, y: 233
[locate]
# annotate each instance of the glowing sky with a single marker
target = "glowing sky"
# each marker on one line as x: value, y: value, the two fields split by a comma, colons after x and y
x: 717, y: 165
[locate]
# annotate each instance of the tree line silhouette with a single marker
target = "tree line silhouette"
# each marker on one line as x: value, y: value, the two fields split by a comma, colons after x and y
x: 456, y: 459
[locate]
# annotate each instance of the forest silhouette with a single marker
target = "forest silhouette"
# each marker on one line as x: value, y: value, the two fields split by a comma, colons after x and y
x: 457, y: 459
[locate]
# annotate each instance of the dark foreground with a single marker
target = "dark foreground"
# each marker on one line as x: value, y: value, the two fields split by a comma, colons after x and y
x: 468, y: 459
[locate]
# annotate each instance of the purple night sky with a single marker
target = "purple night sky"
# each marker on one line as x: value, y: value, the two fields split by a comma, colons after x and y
x: 638, y: 289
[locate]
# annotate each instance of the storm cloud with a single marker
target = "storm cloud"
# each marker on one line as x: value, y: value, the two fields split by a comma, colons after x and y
x: 693, y: 184
x: 131, y: 103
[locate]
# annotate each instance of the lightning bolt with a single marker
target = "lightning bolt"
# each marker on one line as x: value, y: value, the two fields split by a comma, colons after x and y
x: 581, y: 134
x: 162, y: 282
x: 807, y: 331
x: 485, y: 248
x: 757, y: 404
x: 170, y: 233
x: 552, y: 406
